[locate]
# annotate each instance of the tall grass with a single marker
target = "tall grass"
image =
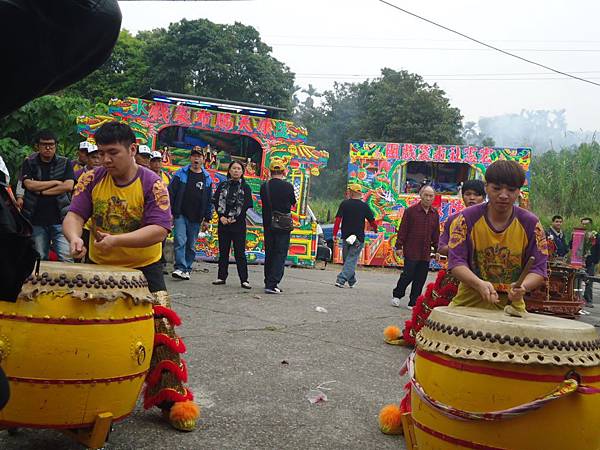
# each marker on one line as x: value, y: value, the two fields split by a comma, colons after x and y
x: 324, y: 209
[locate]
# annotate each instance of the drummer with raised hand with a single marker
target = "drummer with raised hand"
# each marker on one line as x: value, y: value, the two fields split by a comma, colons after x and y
x: 490, y: 244
x: 130, y: 213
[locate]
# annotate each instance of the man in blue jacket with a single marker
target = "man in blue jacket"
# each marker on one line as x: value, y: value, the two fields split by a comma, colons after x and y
x: 190, y: 191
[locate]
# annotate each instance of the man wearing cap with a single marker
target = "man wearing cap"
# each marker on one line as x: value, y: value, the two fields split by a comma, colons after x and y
x: 142, y: 156
x: 92, y: 160
x: 277, y: 195
x: 48, y: 180
x: 156, y: 167
x: 82, y: 153
x: 418, y: 236
x: 190, y: 192
x: 352, y: 214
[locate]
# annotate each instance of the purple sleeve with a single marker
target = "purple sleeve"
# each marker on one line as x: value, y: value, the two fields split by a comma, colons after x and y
x: 157, y: 207
x: 81, y: 203
x: 458, y: 245
x: 445, y: 237
x: 537, y: 245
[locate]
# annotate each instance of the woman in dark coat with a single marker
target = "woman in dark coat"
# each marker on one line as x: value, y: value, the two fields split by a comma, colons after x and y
x: 232, y: 199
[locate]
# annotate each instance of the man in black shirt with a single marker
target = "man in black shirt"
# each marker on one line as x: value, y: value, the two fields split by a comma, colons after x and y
x: 48, y: 180
x: 352, y: 214
x: 190, y: 192
x: 276, y: 195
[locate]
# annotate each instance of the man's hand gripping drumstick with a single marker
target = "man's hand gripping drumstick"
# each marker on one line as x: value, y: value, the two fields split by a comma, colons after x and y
x: 517, y: 290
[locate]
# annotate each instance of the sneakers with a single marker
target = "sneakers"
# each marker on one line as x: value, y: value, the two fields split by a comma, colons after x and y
x: 351, y: 286
x: 274, y: 290
x: 180, y: 275
x: 218, y: 282
x: 396, y: 302
x: 338, y: 284
x: 245, y: 285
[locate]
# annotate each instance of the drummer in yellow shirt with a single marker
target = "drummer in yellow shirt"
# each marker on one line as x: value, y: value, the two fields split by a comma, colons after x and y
x: 131, y: 215
x: 491, y: 242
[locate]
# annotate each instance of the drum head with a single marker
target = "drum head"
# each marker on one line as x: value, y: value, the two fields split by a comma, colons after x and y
x: 87, y: 282
x: 481, y: 334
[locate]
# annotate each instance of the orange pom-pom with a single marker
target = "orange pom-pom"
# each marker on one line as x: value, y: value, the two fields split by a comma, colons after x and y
x: 390, y: 420
x: 392, y: 332
x: 183, y: 415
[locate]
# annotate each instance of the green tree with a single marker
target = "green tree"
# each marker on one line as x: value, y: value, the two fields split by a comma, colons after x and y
x: 213, y: 60
x: 124, y: 74
x: 396, y: 107
x: 52, y: 112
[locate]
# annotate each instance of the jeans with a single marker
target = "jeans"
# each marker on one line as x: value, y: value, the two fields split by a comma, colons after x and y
x: 350, y: 254
x: 226, y: 237
x: 588, y: 293
x: 276, y: 250
x: 46, y: 236
x: 186, y: 234
x: 414, y: 272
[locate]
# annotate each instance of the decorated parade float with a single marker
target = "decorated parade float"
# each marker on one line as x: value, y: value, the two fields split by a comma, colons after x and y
x: 392, y: 173
x: 226, y: 131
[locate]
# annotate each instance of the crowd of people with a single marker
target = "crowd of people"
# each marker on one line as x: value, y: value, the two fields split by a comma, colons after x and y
x: 49, y: 185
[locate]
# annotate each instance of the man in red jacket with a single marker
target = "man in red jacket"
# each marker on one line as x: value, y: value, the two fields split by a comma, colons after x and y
x: 417, y: 237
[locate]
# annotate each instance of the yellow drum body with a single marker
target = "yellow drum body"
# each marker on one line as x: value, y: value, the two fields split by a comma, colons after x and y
x: 77, y: 343
x: 484, y: 361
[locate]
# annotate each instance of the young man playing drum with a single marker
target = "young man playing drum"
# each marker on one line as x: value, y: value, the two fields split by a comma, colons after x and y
x: 490, y: 244
x: 130, y: 214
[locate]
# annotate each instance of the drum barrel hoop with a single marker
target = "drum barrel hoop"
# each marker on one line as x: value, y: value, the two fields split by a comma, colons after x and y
x: 73, y: 321
x: 453, y: 440
x: 502, y: 373
x: 80, y: 381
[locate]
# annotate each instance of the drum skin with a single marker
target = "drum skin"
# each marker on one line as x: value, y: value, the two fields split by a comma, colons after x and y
x: 568, y: 423
x: 72, y: 352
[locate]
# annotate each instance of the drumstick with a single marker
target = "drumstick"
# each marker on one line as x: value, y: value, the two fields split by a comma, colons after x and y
x: 525, y: 271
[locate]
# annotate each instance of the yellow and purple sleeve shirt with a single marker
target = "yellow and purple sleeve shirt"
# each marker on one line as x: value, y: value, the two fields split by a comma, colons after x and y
x: 497, y: 256
x: 116, y: 209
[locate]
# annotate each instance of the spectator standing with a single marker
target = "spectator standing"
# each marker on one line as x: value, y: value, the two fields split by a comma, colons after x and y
x: 232, y: 199
x: 278, y: 197
x: 82, y: 156
x: 48, y: 180
x: 352, y: 214
x: 591, y: 253
x: 156, y: 167
x: 93, y: 159
x: 418, y: 236
x: 556, y: 235
x: 143, y: 155
x: 190, y: 192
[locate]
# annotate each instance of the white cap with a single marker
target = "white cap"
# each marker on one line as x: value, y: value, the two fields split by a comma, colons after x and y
x: 92, y: 148
x: 156, y: 154
x: 84, y: 144
x: 144, y: 150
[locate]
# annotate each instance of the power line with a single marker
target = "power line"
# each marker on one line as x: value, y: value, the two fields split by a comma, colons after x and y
x: 448, y: 74
x: 488, y: 45
x: 459, y: 49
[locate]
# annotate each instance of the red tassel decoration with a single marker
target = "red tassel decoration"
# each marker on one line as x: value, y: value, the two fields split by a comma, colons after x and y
x: 175, y: 344
x: 167, y: 313
x: 180, y: 373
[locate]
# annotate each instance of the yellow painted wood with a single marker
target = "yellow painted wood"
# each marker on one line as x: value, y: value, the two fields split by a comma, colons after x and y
x: 91, y: 353
x: 567, y: 423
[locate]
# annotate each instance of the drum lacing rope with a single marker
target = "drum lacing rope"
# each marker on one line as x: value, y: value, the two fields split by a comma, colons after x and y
x: 569, y: 385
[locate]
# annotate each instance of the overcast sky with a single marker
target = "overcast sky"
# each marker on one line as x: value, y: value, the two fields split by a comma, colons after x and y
x: 323, y: 41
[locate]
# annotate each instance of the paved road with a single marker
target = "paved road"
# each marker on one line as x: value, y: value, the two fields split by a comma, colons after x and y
x: 253, y: 358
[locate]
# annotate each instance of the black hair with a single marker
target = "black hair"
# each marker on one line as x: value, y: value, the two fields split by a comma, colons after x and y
x: 46, y: 135
x: 473, y: 185
x: 236, y: 162
x: 506, y: 172
x: 587, y: 218
x: 115, y: 133
x: 556, y: 217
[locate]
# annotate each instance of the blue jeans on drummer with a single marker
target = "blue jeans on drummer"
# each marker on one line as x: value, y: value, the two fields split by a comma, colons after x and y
x: 186, y: 234
x: 46, y: 236
x: 350, y: 253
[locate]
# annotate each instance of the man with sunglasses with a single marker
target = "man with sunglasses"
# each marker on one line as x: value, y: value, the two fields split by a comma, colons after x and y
x: 48, y: 180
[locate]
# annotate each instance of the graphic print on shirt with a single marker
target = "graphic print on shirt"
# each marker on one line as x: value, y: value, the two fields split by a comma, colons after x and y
x: 161, y: 195
x: 115, y: 215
